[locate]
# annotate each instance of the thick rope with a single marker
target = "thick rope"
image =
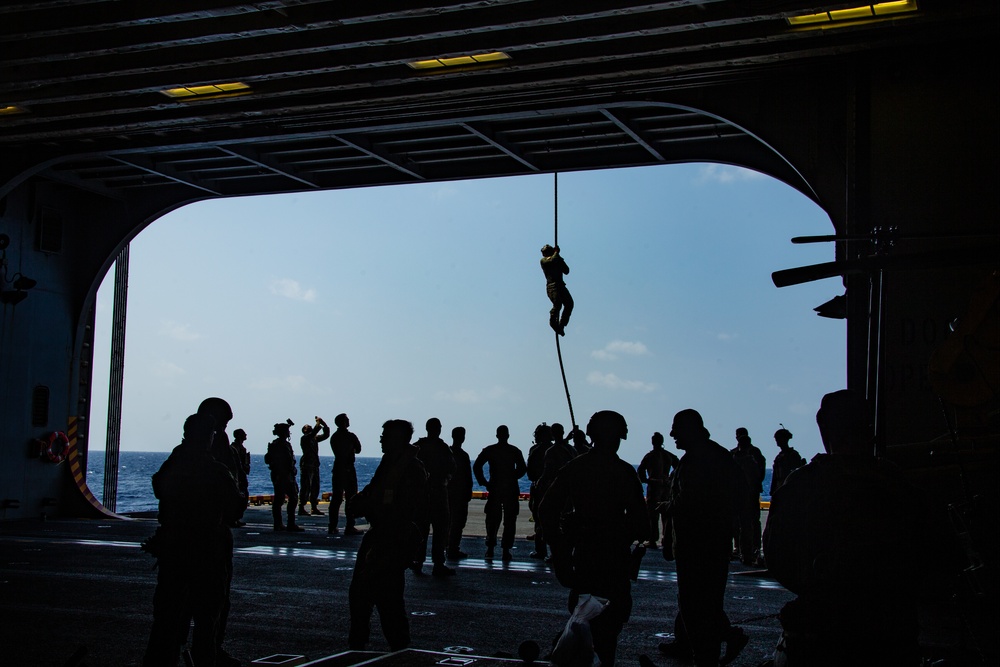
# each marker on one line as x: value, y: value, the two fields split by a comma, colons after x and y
x: 562, y: 368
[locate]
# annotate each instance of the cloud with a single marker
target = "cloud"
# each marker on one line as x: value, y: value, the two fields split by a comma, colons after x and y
x: 722, y: 335
x: 617, y: 347
x: 718, y: 173
x: 287, y: 383
x: 178, y: 331
x: 167, y: 369
x: 472, y: 396
x: 463, y: 396
x: 291, y: 289
x: 612, y: 381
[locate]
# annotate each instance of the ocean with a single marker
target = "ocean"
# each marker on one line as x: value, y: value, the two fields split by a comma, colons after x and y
x: 135, y: 470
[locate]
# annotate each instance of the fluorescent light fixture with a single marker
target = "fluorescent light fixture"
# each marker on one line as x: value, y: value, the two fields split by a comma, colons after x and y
x: 459, y: 61
x: 210, y: 91
x: 11, y: 110
x: 856, y: 13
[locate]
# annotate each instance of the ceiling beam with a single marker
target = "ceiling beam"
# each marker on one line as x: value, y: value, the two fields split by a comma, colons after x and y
x: 144, y: 163
x: 636, y: 137
x: 484, y: 132
x: 254, y: 157
x: 365, y: 146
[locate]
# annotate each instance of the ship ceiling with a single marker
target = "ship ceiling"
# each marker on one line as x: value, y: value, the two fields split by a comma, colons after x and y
x: 313, y: 94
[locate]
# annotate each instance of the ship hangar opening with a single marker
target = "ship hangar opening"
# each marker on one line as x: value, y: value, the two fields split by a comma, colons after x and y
x: 114, y: 113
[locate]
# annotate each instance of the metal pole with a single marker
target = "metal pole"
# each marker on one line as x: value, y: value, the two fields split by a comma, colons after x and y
x: 116, y: 381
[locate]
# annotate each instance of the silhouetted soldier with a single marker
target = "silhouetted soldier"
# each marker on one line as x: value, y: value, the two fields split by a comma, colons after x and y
x: 786, y: 461
x: 309, y: 465
x: 592, y: 514
x: 506, y: 467
x: 394, y: 503
x: 346, y: 447
x: 750, y: 460
x: 554, y: 268
x: 536, y: 466
x: 459, y: 494
x: 436, y: 457
x: 844, y: 534
x: 221, y: 413
x: 243, y: 472
x: 198, y: 500
x: 654, y: 472
x: 579, y: 440
x: 243, y: 456
x: 556, y: 456
x: 702, y: 505
x: 280, y: 458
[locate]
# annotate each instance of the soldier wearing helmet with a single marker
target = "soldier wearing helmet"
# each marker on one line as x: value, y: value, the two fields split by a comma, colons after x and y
x: 786, y: 461
x: 592, y: 514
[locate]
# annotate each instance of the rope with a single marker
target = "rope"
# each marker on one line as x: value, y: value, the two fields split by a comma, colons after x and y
x: 562, y: 368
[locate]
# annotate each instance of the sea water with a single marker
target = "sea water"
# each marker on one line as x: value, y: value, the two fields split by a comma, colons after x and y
x: 135, y: 472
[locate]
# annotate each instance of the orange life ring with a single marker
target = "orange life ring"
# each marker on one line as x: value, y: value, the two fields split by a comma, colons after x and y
x: 57, y: 447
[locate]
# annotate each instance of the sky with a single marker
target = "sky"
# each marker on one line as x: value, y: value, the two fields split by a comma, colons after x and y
x: 427, y: 300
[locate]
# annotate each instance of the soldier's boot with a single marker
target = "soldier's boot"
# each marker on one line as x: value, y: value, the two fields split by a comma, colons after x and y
x: 302, y: 511
x: 489, y: 554
x: 279, y: 526
x: 293, y: 528
x: 507, y: 556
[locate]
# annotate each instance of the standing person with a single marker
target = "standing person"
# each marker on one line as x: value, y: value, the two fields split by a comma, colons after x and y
x: 243, y: 459
x: 536, y: 466
x: 436, y: 457
x: 280, y: 458
x: 198, y: 500
x: 309, y: 465
x: 222, y: 413
x: 592, y: 514
x: 556, y: 456
x: 786, y: 461
x: 506, y: 467
x: 751, y: 462
x: 554, y: 267
x: 459, y: 494
x: 702, y: 504
x: 394, y: 503
x: 579, y: 440
x: 243, y: 456
x: 346, y: 447
x: 654, y: 472
x: 845, y: 535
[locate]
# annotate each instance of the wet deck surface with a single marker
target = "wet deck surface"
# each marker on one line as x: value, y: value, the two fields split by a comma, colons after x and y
x: 71, y: 583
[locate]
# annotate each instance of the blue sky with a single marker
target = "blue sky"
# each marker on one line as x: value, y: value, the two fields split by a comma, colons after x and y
x: 427, y: 300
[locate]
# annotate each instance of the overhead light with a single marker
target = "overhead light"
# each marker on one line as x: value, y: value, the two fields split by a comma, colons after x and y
x: 493, y: 57
x: 209, y: 91
x: 861, y: 12
x: 11, y: 110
